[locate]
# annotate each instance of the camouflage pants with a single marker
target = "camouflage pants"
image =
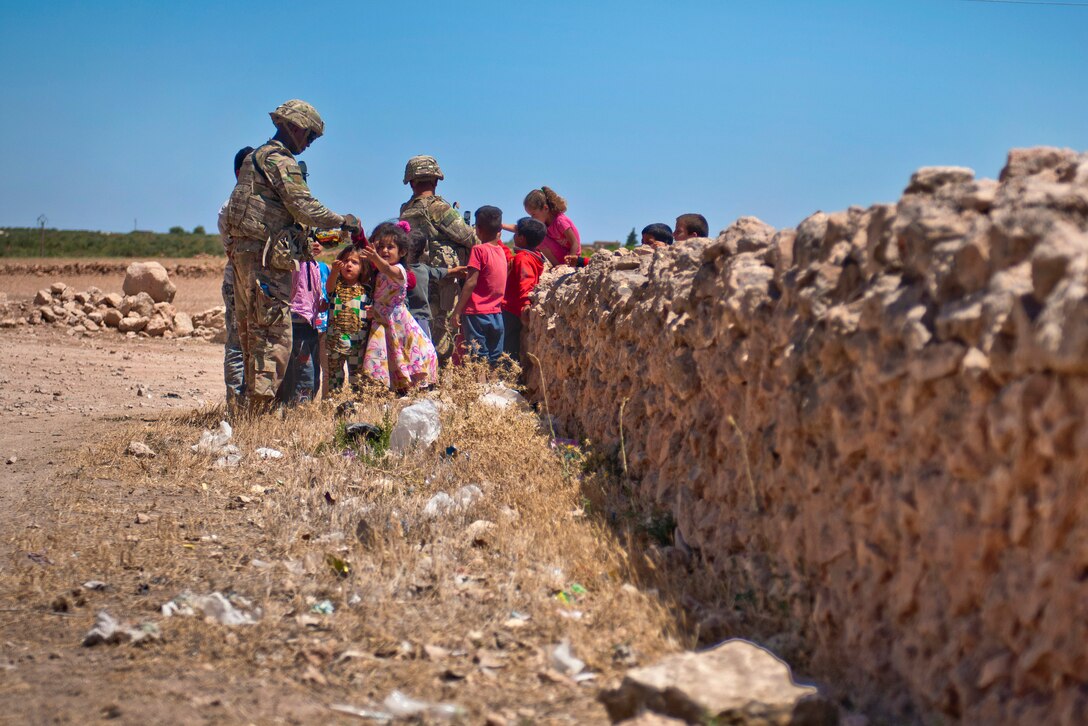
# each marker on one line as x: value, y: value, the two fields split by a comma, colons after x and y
x: 444, y: 295
x: 262, y: 303
x: 233, y: 362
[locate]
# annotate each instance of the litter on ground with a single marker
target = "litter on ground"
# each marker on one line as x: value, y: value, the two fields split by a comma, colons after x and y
x: 417, y: 425
x: 108, y: 630
x: 215, y: 606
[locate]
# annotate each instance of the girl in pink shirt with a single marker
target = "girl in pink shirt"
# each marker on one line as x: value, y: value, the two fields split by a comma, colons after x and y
x: 546, y: 206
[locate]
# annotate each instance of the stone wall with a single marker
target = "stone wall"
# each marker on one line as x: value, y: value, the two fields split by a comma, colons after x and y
x: 883, y: 409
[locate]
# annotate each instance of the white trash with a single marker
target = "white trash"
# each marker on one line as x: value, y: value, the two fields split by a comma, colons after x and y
x: 213, y: 442
x: 467, y: 496
x: 564, y: 661
x: 214, y: 606
x: 109, y: 630
x: 230, y: 457
x: 502, y: 396
x: 400, y: 705
x: 442, y: 504
x: 267, y: 453
x: 417, y: 425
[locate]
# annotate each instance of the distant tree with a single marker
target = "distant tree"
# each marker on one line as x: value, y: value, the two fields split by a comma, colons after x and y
x: 199, y: 229
x: 632, y: 239
x: 177, y: 230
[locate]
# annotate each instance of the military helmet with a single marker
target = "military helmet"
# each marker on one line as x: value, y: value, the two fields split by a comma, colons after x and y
x: 300, y: 114
x: 422, y: 167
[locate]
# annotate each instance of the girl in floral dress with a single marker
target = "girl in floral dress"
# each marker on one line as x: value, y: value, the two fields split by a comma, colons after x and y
x: 398, y: 354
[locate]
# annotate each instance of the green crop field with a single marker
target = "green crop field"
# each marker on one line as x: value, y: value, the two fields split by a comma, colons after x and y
x: 27, y: 242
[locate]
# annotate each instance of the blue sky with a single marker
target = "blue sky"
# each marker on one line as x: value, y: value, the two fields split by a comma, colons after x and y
x: 634, y: 111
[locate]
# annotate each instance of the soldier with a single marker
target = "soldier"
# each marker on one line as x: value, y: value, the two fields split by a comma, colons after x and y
x: 449, y: 240
x: 265, y: 219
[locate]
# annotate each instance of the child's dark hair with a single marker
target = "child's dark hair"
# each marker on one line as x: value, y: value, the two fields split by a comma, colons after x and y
x: 343, y: 254
x: 660, y: 232
x: 394, y: 230
x: 240, y: 157
x: 532, y: 231
x: 417, y: 244
x: 695, y: 224
x: 545, y: 197
x: 489, y: 220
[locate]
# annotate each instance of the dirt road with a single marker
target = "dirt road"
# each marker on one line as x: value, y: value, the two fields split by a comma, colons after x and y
x: 462, y: 608
x: 57, y: 390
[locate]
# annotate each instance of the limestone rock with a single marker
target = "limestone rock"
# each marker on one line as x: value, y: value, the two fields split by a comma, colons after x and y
x: 1035, y: 160
x: 139, y: 304
x: 112, y: 317
x: 43, y: 297
x: 166, y: 310
x: 1054, y: 256
x: 139, y: 450
x: 113, y: 299
x: 156, y: 326
x: 183, y: 325
x: 57, y: 288
x: 150, y: 278
x: 735, y: 682
x: 930, y: 178
x: 132, y: 323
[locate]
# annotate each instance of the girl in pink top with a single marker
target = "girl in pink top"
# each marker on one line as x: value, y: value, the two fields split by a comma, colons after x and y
x: 562, y: 239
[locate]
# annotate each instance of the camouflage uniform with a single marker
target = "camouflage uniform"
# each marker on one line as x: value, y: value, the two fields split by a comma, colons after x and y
x: 449, y: 240
x: 265, y: 210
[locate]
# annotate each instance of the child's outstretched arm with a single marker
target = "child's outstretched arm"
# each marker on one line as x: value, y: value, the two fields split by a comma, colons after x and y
x: 573, y: 243
x: 396, y: 274
x: 466, y: 294
x: 334, y: 275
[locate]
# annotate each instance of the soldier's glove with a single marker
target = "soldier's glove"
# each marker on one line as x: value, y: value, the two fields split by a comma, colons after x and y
x: 352, y: 224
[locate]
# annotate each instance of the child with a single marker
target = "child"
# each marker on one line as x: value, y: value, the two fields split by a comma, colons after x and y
x: 562, y: 239
x: 348, y: 324
x: 399, y: 354
x: 426, y: 279
x: 485, y: 285
x: 656, y: 235
x: 302, y: 379
x: 525, y: 272
x: 689, y: 226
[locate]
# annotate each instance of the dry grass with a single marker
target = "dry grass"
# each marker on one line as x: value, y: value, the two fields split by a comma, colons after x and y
x: 265, y: 530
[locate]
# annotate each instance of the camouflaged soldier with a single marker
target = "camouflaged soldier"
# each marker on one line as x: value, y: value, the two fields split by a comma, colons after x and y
x: 449, y: 240
x: 266, y: 218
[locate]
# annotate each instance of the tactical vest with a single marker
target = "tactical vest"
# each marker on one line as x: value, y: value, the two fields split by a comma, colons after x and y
x: 419, y: 216
x: 254, y: 211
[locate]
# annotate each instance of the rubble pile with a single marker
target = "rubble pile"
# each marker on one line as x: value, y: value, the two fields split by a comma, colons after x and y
x: 92, y: 311
x: 875, y: 421
x: 199, y: 266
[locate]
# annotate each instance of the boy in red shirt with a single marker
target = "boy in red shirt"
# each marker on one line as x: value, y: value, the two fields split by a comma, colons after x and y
x: 481, y: 297
x: 525, y: 271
